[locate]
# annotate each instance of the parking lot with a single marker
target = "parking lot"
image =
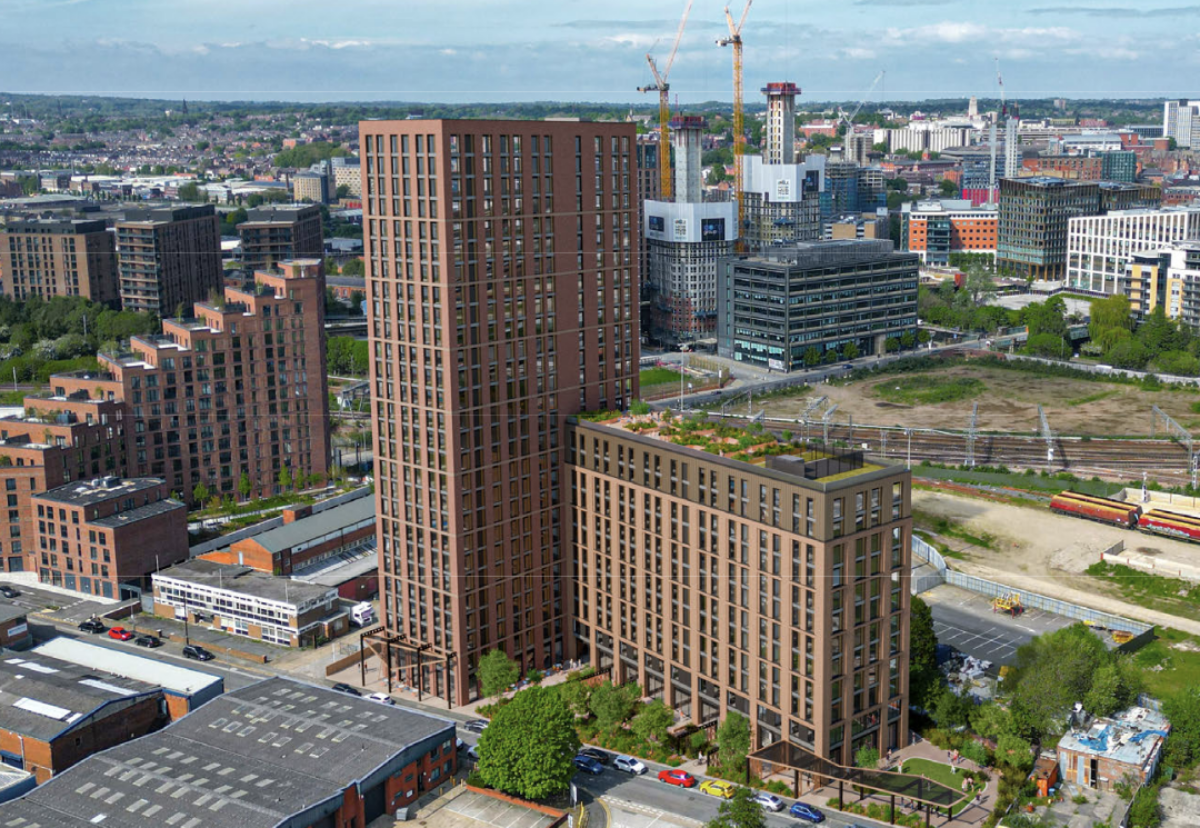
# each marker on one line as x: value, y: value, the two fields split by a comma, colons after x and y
x: 965, y: 621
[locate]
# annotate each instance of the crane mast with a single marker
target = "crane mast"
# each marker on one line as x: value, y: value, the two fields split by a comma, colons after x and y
x: 664, y: 106
x: 739, y: 137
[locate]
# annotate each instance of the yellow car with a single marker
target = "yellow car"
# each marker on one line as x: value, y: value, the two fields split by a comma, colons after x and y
x: 715, y: 787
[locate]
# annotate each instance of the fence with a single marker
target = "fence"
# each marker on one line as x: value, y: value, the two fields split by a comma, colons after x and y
x: 925, y: 576
x: 1032, y: 600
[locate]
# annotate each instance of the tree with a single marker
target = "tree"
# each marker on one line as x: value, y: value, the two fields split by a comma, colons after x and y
x: 812, y: 357
x: 653, y: 721
x: 1047, y: 345
x: 991, y: 721
x: 716, y: 174
x: 923, y: 674
x: 923, y: 336
x: 908, y: 339
x: 191, y: 192
x: 1111, y: 321
x: 354, y: 267
x: 527, y: 748
x: 1183, y: 711
x: 947, y: 188
x: 979, y: 284
x: 285, y: 478
x: 850, y: 351
x: 951, y: 710
x: 1050, y: 674
x: 497, y: 672
x: 1014, y: 752
x: 244, y: 486
x: 1159, y: 334
x: 576, y: 694
x: 891, y: 344
x: 343, y: 191
x: 739, y: 811
x: 611, y: 705
x: 733, y: 739
x: 199, y: 493
x: 830, y: 356
x: 866, y: 757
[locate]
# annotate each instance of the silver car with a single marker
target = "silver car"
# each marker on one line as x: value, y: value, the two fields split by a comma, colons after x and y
x: 628, y: 764
x: 769, y: 801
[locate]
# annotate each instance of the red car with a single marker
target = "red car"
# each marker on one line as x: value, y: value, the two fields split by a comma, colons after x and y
x: 677, y: 777
x: 120, y: 633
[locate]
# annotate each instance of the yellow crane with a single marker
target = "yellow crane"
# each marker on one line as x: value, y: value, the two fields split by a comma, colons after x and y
x: 664, y: 106
x: 739, y: 137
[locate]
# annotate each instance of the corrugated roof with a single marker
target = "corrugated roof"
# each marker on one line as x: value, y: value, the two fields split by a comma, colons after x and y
x: 314, y: 526
x: 128, y: 665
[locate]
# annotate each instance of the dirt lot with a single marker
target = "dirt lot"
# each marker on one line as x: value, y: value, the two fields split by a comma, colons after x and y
x: 1049, y: 551
x: 1010, y: 403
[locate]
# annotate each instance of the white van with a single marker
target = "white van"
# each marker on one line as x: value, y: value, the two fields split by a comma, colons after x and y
x: 362, y: 614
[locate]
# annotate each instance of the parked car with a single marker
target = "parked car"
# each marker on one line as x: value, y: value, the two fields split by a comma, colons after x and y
x: 807, y: 812
x: 120, y: 633
x: 342, y: 687
x: 769, y: 801
x: 628, y: 764
x: 677, y: 777
x: 475, y: 725
x: 588, y: 765
x: 473, y: 752
x: 382, y: 698
x: 601, y: 756
x: 148, y: 641
x: 93, y: 626
x: 8, y: 592
x: 716, y: 787
x: 197, y: 652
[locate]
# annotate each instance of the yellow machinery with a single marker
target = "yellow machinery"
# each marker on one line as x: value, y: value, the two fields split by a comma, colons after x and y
x: 1010, y: 603
x: 739, y: 134
x: 664, y: 107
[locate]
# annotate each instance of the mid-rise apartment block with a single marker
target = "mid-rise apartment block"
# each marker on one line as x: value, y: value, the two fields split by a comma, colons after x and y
x: 168, y: 257
x: 1181, y: 121
x: 236, y: 390
x: 1168, y: 278
x: 778, y: 305
x: 311, y: 187
x: 772, y: 581
x: 1032, y: 223
x: 58, y: 257
x: 936, y: 229
x: 279, y: 233
x: 1100, y: 247
x: 97, y: 536
x: 501, y: 292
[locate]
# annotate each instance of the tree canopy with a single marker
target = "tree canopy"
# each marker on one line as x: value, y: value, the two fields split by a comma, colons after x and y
x: 527, y: 748
x: 497, y: 672
x: 739, y: 811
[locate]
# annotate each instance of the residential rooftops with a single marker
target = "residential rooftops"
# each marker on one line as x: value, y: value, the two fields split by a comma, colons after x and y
x: 99, y: 490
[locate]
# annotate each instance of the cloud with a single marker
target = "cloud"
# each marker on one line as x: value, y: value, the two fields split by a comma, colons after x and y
x: 1116, y: 11
x: 651, y: 25
x: 955, y: 32
x: 904, y: 2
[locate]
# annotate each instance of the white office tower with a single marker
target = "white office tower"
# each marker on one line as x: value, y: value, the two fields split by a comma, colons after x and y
x: 973, y: 108
x: 1181, y: 121
x: 1012, y: 155
x: 684, y: 240
x: 779, y: 135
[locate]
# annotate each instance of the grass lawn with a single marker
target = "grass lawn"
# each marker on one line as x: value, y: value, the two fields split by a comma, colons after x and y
x: 938, y: 772
x: 929, y: 389
x: 1169, y: 663
x: 1152, y: 591
x: 659, y: 376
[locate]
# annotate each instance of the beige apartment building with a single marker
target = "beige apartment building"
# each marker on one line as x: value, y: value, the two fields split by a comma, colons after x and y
x: 58, y: 257
x: 776, y: 586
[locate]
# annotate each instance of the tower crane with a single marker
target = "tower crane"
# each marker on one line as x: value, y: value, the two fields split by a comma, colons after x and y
x: 849, y: 120
x: 739, y: 137
x: 664, y: 106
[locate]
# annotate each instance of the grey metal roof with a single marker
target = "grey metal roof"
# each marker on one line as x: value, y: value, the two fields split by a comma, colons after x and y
x: 156, y: 671
x: 43, y: 697
x: 254, y: 758
x: 314, y: 526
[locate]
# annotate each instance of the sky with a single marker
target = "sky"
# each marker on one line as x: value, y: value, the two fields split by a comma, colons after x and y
x: 594, y: 50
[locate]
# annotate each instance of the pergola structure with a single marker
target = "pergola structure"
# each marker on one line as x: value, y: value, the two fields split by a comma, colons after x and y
x: 817, y: 772
x: 399, y: 654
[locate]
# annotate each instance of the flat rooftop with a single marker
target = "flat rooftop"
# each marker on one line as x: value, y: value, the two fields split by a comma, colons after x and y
x: 246, y: 581
x: 10, y: 611
x: 1129, y: 737
x: 90, y: 492
x: 469, y: 809
x: 170, y: 677
x: 802, y: 462
x: 276, y: 753
x: 316, y: 528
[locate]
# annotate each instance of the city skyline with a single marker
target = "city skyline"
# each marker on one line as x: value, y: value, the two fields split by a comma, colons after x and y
x: 466, y: 50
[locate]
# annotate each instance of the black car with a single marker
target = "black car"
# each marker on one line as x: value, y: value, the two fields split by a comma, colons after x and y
x: 197, y: 652
x: 93, y: 626
x: 342, y: 687
x: 148, y: 641
x: 8, y: 592
x: 601, y: 756
x: 476, y: 725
